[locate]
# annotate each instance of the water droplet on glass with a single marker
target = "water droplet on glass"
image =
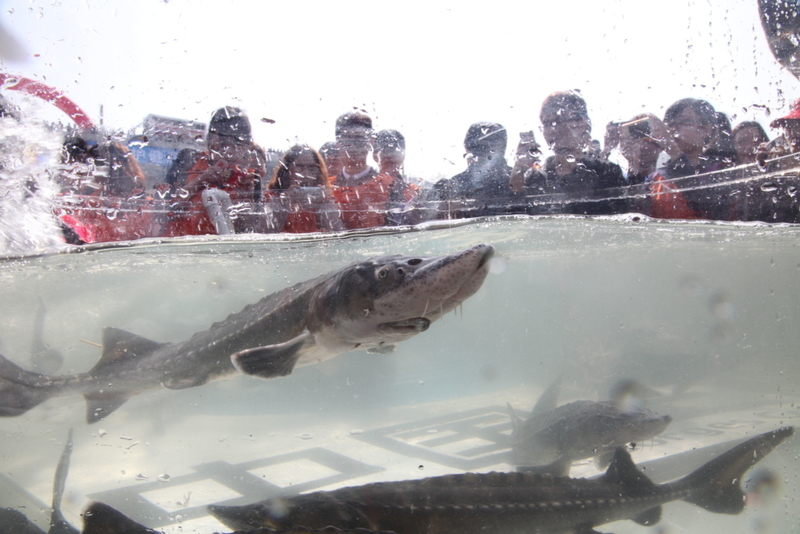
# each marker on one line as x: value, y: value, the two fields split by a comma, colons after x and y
x: 768, y: 187
x: 163, y: 477
x: 140, y: 476
x: 307, y: 435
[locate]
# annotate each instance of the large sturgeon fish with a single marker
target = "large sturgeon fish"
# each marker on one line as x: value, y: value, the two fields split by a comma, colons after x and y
x: 370, y: 305
x: 511, y: 503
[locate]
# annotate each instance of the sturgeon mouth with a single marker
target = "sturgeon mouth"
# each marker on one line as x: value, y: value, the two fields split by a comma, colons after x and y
x: 415, y: 324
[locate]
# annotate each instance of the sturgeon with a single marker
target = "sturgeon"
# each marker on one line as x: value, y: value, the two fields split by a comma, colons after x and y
x: 369, y: 305
x: 511, y: 503
x: 100, y: 518
x: 555, y: 436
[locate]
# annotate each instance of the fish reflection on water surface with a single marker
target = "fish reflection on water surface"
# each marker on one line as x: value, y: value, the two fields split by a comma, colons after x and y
x: 369, y: 305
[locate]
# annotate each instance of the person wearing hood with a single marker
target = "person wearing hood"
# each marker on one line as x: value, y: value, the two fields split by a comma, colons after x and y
x: 483, y: 188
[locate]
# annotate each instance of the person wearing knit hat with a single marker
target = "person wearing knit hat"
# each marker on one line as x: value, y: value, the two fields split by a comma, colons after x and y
x: 228, y: 172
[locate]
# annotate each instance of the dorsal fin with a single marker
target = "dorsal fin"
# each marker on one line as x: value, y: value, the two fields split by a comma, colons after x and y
x: 549, y: 399
x: 120, y: 345
x: 623, y: 471
x: 516, y: 422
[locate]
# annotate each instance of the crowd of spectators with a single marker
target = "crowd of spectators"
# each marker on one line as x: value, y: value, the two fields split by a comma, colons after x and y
x: 227, y: 188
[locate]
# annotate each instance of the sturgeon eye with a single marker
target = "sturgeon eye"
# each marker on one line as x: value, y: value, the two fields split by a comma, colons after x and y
x: 383, y: 273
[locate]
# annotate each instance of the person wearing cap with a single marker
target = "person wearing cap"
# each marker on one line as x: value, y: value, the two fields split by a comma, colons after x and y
x: 363, y: 194
x: 572, y: 170
x: 483, y: 188
x: 228, y: 172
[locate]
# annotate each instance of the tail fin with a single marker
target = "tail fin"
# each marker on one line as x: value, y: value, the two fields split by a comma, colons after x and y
x: 21, y: 390
x: 716, y: 487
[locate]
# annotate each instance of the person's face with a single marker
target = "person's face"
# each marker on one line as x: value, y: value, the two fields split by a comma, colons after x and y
x: 791, y: 129
x: 639, y: 152
x: 228, y: 149
x: 566, y: 132
x: 391, y: 156
x: 690, y: 133
x: 354, y: 144
x: 746, y: 143
x: 333, y: 162
x: 304, y: 171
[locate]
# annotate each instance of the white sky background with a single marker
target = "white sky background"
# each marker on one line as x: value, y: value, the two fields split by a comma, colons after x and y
x: 427, y: 69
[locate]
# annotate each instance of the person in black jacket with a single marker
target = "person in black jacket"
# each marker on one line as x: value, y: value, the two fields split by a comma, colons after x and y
x: 572, y: 171
x: 483, y: 188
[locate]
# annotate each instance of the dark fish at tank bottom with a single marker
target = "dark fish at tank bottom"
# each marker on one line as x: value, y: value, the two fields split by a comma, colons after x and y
x: 555, y: 436
x: 14, y: 522
x: 511, y: 503
x: 100, y: 518
x: 369, y: 305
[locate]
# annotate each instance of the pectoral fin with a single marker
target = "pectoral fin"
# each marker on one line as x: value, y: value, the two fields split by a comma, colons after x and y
x: 99, y: 405
x: 649, y: 517
x: 602, y: 459
x: 273, y: 360
x: 384, y: 348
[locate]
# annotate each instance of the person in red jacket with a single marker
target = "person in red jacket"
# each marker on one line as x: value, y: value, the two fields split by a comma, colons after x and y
x: 229, y: 172
x: 299, y: 196
x: 362, y: 194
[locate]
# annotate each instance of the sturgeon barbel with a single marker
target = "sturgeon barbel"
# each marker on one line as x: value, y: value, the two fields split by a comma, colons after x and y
x: 511, y: 503
x: 369, y: 305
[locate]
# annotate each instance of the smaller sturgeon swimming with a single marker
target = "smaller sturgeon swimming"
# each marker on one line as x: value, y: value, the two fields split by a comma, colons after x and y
x: 555, y: 436
x: 369, y: 305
